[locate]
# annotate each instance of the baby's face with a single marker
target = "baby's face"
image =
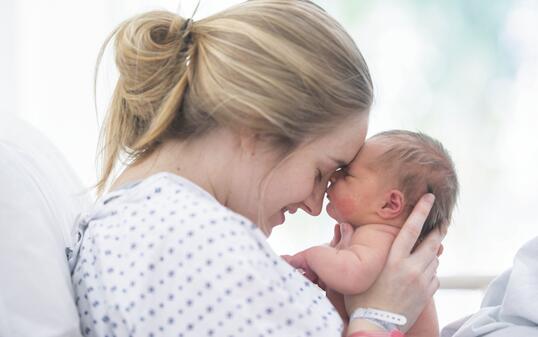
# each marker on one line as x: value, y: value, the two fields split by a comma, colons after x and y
x: 359, y: 189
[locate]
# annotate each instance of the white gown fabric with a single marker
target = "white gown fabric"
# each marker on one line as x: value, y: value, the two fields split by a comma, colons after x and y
x: 162, y: 257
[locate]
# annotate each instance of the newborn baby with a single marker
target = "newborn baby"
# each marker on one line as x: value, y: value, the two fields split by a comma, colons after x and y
x: 375, y: 193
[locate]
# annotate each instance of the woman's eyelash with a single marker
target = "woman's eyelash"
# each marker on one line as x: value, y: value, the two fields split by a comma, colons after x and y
x: 343, y: 169
x: 319, y: 175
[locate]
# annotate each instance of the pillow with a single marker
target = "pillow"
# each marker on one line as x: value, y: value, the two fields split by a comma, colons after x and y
x: 40, y: 197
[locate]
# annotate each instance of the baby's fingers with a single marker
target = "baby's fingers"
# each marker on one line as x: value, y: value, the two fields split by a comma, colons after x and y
x: 343, y: 234
x: 346, y: 235
x: 336, y: 236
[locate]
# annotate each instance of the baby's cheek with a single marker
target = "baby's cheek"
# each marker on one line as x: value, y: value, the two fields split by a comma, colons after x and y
x: 346, y: 206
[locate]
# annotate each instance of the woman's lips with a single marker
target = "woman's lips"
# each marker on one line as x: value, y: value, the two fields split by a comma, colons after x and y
x: 283, y: 211
x: 282, y: 214
x: 282, y: 217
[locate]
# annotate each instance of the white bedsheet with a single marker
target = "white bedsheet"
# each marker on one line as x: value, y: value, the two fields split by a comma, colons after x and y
x: 510, y: 306
x: 40, y: 197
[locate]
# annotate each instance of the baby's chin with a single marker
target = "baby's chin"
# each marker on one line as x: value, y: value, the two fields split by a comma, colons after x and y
x: 353, y: 219
x: 333, y: 213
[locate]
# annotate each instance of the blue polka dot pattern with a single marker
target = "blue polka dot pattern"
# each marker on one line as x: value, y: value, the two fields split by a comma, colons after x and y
x: 163, y: 258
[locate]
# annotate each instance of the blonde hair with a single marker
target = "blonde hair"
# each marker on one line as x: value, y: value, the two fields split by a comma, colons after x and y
x: 421, y: 165
x: 284, y: 69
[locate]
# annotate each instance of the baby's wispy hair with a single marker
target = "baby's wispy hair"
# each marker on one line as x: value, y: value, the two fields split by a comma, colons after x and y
x: 422, y: 165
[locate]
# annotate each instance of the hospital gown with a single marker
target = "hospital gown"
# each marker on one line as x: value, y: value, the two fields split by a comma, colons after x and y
x: 162, y: 257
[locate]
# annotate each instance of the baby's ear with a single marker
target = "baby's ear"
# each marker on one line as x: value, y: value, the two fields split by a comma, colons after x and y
x: 393, y: 205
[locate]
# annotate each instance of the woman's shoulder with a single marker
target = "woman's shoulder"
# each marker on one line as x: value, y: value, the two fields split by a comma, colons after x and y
x: 160, y: 193
x: 168, y: 206
x: 160, y: 185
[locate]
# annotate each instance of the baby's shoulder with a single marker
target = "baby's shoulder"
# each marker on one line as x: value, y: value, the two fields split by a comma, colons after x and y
x: 375, y: 235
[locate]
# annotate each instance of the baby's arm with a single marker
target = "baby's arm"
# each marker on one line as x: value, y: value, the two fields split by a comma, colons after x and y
x: 426, y: 324
x: 353, y: 269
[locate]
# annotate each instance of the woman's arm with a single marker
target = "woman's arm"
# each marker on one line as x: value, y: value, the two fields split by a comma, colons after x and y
x: 427, y: 324
x: 408, y: 280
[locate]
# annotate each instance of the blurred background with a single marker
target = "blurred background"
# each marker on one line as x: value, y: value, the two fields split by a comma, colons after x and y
x: 465, y: 72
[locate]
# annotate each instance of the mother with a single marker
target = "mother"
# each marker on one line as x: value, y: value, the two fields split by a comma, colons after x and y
x: 226, y: 124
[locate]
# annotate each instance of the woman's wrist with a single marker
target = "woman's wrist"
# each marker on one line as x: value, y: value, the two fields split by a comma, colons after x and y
x: 359, y: 324
x: 364, y: 328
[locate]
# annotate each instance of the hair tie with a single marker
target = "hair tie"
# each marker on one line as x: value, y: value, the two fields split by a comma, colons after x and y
x: 186, y: 38
x: 186, y: 29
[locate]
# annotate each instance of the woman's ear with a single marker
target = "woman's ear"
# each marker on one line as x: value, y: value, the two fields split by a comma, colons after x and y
x: 248, y: 141
x: 393, y: 205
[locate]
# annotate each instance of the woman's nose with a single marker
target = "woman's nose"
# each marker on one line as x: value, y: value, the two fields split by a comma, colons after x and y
x: 314, y: 203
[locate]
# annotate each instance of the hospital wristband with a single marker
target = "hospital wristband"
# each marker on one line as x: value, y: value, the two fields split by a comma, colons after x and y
x: 388, y: 321
x: 381, y: 317
x: 393, y: 333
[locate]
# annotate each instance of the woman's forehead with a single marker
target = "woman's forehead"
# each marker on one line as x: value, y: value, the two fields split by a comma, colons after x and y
x: 342, y: 144
x: 369, y: 152
x: 351, y: 138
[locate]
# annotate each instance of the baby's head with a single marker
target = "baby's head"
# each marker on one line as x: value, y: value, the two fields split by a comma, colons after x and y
x: 388, y: 177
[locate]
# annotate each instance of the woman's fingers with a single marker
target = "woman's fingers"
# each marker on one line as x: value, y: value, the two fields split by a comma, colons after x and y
x: 433, y: 286
x: 406, y: 239
x: 441, y: 250
x: 428, y: 249
x: 431, y: 270
x: 431, y: 277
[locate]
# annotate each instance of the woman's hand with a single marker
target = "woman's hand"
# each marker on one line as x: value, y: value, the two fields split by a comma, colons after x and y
x: 408, y: 280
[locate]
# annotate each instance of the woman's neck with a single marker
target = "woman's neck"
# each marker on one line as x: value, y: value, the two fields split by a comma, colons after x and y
x: 202, y: 161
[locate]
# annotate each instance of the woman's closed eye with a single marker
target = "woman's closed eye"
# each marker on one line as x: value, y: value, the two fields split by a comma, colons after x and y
x: 343, y: 171
x: 319, y: 176
x: 322, y: 179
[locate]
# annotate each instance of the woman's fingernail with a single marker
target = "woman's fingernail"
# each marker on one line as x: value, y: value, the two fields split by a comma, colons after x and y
x: 430, y: 197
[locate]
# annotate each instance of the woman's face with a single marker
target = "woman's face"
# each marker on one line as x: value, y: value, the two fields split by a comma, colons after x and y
x: 300, y: 180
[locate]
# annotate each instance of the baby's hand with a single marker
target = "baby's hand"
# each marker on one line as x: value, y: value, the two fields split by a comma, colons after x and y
x: 343, y: 233
x: 298, y: 261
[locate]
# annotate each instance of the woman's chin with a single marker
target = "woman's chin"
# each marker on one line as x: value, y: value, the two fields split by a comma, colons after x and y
x: 276, y: 220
